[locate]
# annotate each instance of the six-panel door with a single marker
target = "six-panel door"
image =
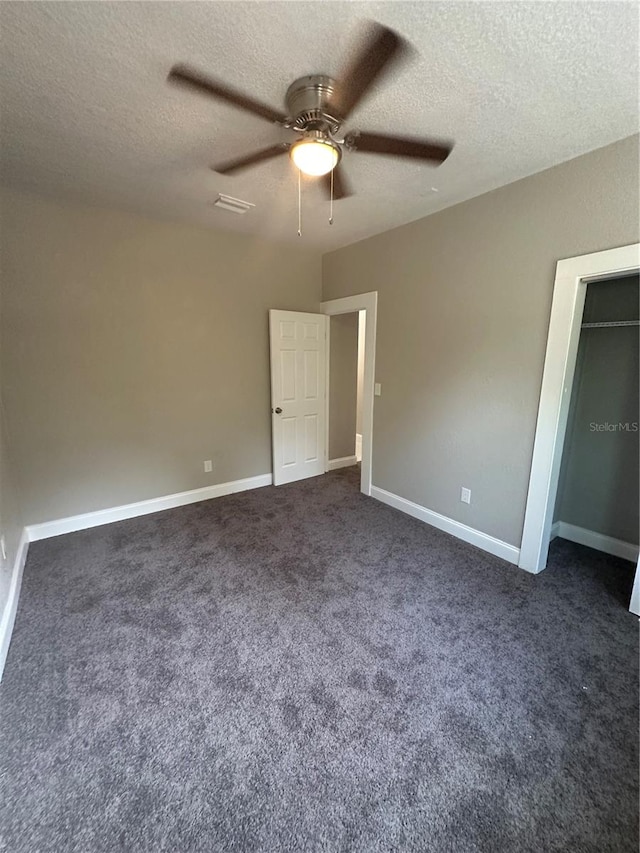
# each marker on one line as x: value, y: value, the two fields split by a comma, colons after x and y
x: 298, y: 388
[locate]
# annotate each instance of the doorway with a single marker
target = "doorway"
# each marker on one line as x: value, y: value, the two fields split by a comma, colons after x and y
x: 597, y: 501
x: 345, y: 380
x: 363, y: 310
x: 572, y: 277
x: 299, y: 356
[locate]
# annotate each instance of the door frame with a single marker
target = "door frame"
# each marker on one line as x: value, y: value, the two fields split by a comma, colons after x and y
x: 367, y: 302
x: 569, y: 291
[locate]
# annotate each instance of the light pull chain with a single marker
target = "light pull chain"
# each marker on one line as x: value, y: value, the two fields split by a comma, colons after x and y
x: 331, y: 208
x: 299, y: 203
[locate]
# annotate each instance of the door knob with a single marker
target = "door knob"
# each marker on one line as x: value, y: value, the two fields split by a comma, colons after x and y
x: 278, y: 411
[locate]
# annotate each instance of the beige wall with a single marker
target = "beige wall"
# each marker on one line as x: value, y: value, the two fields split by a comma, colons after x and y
x: 135, y: 350
x: 11, y: 523
x: 343, y: 380
x: 463, y: 312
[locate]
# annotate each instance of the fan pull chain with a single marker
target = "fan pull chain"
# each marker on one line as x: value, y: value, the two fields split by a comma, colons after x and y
x: 331, y: 208
x: 299, y: 203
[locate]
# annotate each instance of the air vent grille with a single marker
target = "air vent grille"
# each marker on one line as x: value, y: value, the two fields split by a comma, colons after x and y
x: 233, y: 205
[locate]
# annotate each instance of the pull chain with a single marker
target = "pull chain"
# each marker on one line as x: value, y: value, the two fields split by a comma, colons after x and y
x: 299, y: 203
x: 331, y: 207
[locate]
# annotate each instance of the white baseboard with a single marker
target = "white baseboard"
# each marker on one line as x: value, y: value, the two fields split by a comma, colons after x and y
x: 615, y: 547
x: 11, y: 605
x: 342, y: 462
x: 554, y: 531
x: 120, y: 513
x: 358, y: 447
x: 455, y: 528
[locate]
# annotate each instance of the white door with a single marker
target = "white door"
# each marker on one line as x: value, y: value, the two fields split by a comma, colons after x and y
x: 298, y: 393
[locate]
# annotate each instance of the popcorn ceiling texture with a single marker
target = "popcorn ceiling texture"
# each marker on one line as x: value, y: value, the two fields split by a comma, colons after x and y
x: 519, y: 86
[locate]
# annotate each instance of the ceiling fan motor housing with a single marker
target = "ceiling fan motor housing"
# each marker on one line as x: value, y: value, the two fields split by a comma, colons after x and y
x: 308, y: 104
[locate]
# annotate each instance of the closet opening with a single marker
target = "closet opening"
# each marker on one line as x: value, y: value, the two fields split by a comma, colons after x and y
x: 597, y: 499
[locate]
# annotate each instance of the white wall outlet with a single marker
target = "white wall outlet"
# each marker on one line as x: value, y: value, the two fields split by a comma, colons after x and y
x: 208, y: 467
x: 377, y: 389
x: 3, y: 548
x: 465, y: 495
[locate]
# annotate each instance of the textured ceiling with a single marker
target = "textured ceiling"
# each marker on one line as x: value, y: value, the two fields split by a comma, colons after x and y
x: 87, y: 114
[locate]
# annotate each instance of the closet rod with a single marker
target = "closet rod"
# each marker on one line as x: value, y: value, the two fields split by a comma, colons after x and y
x: 611, y: 323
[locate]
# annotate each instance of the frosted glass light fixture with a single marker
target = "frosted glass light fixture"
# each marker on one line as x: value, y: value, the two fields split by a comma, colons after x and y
x: 315, y: 156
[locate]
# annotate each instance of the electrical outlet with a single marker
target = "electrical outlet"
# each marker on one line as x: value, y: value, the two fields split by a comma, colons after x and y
x: 3, y: 548
x: 465, y: 495
x: 208, y: 467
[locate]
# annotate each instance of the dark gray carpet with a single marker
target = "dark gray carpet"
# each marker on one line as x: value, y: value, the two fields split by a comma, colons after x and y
x: 305, y: 669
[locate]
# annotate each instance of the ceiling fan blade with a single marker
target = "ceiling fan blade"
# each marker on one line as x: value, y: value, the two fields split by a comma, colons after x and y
x: 234, y: 165
x: 380, y: 48
x: 183, y: 75
x: 398, y: 146
x: 341, y: 186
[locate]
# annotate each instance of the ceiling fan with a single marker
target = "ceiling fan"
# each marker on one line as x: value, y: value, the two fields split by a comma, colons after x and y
x: 317, y: 107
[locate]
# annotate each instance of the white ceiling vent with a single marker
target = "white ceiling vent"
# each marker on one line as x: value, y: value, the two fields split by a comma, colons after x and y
x: 233, y: 205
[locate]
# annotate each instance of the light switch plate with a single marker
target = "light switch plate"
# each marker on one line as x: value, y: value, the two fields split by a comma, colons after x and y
x: 377, y: 389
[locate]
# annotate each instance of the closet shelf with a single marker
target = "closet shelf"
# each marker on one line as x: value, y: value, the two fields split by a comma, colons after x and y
x: 611, y: 323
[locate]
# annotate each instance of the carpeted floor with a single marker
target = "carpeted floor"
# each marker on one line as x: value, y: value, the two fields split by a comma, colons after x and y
x: 306, y: 669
